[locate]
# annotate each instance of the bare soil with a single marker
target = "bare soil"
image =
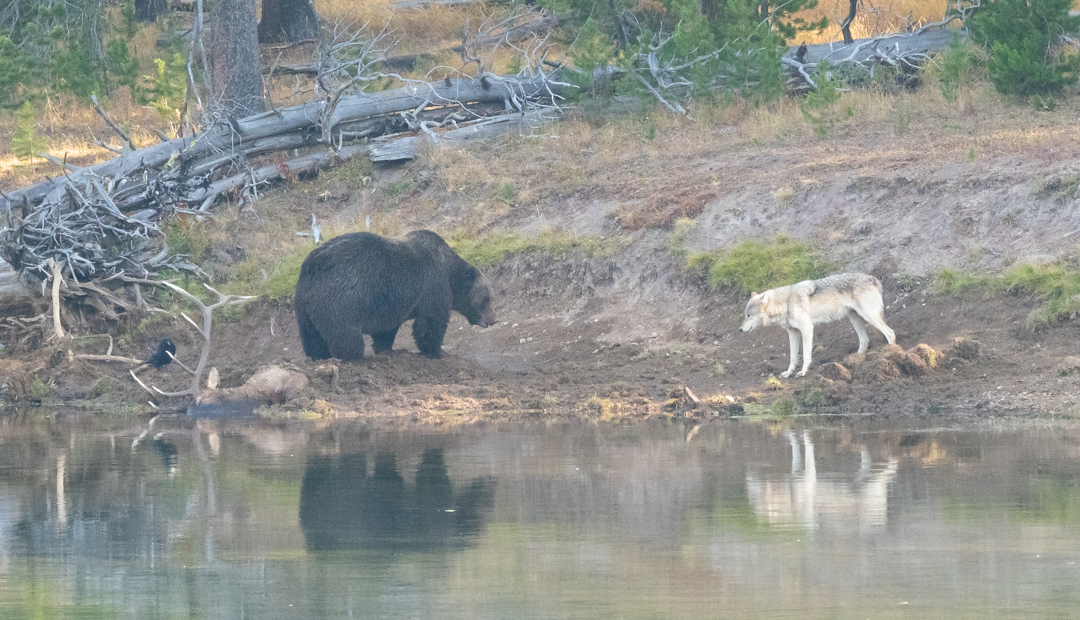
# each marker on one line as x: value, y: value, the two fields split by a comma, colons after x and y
x: 623, y: 334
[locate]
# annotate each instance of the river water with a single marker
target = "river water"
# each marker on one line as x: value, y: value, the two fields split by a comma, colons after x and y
x: 801, y: 518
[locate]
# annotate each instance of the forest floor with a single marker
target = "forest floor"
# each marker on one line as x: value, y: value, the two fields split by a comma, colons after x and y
x: 600, y: 317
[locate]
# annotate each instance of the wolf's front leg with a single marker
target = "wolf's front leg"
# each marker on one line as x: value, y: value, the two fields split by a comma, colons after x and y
x: 807, y: 347
x: 793, y: 342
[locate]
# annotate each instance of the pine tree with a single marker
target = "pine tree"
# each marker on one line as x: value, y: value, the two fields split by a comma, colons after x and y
x: 26, y: 143
x: 1023, y: 38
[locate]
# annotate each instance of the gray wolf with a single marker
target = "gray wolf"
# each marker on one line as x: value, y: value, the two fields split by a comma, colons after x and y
x: 362, y: 283
x: 798, y: 307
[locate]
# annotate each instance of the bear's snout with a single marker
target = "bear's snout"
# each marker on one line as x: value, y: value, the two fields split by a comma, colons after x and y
x: 487, y: 318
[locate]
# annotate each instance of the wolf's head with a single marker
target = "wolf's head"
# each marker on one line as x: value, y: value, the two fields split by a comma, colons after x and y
x: 755, y: 315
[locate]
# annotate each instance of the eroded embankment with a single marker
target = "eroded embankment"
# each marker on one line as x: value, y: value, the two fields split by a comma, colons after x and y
x: 625, y: 334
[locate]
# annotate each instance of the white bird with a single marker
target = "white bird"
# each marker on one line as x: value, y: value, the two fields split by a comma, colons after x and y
x: 316, y: 232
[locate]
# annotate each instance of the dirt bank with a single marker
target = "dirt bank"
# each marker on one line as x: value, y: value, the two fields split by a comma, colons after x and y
x: 625, y: 332
x: 592, y: 341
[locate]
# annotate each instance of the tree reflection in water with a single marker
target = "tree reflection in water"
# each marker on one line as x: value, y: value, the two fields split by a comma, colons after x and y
x: 342, y: 507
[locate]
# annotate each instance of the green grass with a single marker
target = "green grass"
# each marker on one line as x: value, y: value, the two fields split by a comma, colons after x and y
x: 190, y: 239
x: 760, y: 265
x: 399, y: 188
x: 493, y: 248
x: 949, y: 282
x: 1055, y: 284
x: 39, y: 389
x: 273, y: 282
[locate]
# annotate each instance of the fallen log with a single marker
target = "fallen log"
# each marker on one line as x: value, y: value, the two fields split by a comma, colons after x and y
x: 241, y: 134
x: 905, y: 51
x: 101, y: 221
x: 932, y: 38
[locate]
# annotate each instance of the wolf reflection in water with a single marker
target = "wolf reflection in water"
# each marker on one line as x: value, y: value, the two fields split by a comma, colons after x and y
x: 804, y: 499
x: 342, y: 507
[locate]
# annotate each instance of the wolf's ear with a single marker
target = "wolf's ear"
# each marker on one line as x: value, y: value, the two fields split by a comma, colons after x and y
x: 753, y: 294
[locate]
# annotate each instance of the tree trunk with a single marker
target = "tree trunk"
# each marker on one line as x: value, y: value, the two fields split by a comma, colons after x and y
x: 147, y: 11
x: 287, y: 20
x: 845, y: 26
x: 235, y: 75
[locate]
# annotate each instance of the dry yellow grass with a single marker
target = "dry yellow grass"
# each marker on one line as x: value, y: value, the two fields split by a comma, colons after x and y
x: 872, y: 19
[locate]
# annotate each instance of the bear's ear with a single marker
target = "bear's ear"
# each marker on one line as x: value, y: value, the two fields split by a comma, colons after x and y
x: 472, y: 275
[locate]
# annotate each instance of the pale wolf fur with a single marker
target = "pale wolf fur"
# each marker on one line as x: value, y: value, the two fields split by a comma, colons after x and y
x: 797, y: 308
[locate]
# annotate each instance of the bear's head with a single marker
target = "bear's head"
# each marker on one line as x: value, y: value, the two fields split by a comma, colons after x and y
x: 472, y: 298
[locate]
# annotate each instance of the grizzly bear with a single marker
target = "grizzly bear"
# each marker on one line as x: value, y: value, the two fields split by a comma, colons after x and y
x: 361, y: 283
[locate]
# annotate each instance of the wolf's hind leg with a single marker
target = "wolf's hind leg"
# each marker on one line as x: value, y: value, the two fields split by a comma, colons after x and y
x: 793, y: 342
x: 872, y: 310
x: 857, y: 323
x: 879, y: 324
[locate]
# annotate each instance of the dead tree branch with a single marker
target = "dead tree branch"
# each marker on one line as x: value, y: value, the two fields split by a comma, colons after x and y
x: 115, y: 127
x: 205, y: 330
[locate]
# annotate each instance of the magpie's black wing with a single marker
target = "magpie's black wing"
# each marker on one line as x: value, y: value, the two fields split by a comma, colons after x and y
x: 161, y: 357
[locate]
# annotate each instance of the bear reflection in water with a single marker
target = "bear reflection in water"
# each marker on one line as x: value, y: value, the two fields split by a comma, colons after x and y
x: 342, y: 507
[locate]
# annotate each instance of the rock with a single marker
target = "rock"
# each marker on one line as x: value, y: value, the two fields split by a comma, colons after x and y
x: 928, y: 354
x: 328, y: 373
x: 878, y: 370
x: 1068, y: 366
x: 853, y: 360
x: 909, y: 365
x: 889, y: 349
x: 966, y: 348
x: 835, y: 372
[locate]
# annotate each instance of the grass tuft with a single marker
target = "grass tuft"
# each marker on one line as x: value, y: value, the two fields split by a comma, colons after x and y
x: 1056, y: 284
x: 950, y: 282
x: 782, y: 407
x: 760, y: 265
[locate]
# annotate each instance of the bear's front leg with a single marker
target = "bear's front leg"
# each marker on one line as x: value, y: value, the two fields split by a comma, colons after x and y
x: 428, y: 331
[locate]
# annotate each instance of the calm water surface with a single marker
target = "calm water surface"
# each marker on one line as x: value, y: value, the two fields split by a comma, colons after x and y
x: 737, y: 519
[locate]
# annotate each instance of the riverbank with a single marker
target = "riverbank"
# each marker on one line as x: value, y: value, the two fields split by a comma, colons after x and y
x: 585, y: 227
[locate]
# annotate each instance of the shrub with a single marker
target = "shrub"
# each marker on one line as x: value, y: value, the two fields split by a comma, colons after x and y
x: 957, y: 67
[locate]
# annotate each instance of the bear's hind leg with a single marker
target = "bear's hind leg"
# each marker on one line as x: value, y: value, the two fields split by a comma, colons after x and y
x: 315, y: 346
x: 428, y: 332
x: 383, y: 342
x: 348, y: 344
